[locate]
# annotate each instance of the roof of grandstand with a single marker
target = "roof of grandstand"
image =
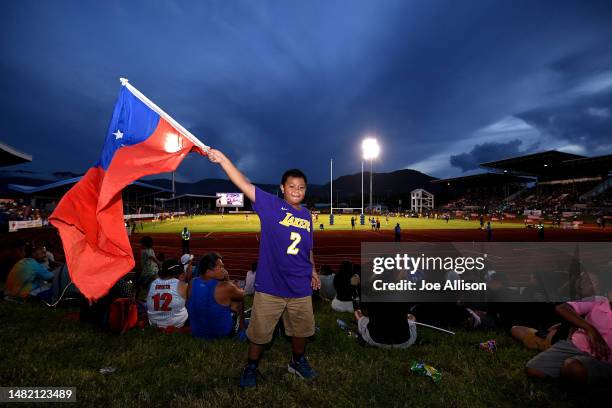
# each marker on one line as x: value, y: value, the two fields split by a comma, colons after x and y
x: 533, y: 164
x: 64, y: 185
x: 483, y: 179
x: 586, y: 165
x: 552, y: 164
x: 10, y: 156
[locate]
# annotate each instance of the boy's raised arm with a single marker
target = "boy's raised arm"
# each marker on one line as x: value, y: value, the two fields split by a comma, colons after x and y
x: 217, y: 157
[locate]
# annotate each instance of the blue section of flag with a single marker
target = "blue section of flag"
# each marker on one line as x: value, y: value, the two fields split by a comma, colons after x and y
x: 132, y: 123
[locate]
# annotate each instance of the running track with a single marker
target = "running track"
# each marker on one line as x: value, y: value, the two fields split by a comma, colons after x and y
x: 331, y: 247
x: 239, y: 249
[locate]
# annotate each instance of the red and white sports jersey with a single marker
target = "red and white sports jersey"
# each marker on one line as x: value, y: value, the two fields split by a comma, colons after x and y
x: 165, y: 305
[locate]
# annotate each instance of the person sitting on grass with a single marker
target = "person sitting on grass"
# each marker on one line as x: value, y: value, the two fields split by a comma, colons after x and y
x: 586, y: 357
x: 29, y: 277
x: 215, y: 303
x: 249, y: 284
x: 343, y: 301
x: 385, y: 324
x: 167, y: 296
x: 327, y: 290
x: 49, y: 259
x: 10, y: 254
x: 187, y: 262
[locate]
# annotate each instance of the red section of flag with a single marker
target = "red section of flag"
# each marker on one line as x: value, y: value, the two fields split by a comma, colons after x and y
x: 90, y: 216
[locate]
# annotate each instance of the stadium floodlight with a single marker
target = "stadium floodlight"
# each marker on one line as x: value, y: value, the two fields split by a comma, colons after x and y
x: 371, y: 150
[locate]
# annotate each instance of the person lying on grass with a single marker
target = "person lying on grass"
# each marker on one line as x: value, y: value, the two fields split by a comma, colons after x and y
x: 215, y: 303
x: 585, y: 285
x: 586, y: 357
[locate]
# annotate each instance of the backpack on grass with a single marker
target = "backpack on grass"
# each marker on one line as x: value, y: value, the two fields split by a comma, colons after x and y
x: 122, y: 315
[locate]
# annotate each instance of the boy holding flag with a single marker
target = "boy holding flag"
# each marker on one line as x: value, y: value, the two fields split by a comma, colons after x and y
x: 285, y: 273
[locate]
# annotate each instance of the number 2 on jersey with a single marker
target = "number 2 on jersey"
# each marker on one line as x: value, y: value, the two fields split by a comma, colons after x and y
x: 165, y: 307
x: 296, y: 238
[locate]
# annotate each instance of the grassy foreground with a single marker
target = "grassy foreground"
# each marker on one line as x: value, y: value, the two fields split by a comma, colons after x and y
x: 41, y: 347
x: 239, y: 223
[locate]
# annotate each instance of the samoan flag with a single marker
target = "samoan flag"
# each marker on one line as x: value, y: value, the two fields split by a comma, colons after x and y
x: 139, y: 142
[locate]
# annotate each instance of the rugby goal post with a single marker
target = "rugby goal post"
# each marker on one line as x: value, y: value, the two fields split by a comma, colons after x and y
x: 347, y: 210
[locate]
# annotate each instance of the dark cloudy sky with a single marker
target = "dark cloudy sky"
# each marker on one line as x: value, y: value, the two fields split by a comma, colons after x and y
x: 444, y: 85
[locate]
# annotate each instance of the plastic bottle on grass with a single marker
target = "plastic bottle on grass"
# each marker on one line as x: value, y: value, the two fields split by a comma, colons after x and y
x: 345, y: 328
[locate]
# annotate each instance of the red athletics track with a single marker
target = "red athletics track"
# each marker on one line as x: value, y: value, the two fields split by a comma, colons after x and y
x: 239, y: 249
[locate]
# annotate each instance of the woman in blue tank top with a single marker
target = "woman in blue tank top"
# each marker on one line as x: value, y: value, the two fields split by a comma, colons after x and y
x: 211, y: 317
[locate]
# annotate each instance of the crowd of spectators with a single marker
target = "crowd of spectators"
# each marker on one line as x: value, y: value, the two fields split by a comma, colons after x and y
x: 574, y: 338
x: 197, y: 296
x: 18, y: 210
x: 551, y: 200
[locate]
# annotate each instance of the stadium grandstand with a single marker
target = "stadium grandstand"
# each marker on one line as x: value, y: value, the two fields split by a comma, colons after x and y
x: 10, y: 209
x: 546, y: 183
x: 138, y: 197
x: 33, y: 203
x: 481, y: 191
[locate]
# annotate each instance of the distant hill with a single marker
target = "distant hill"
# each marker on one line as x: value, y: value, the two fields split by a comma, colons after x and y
x: 396, y: 182
x: 388, y: 187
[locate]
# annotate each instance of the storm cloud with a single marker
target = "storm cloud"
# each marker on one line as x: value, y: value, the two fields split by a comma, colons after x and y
x: 442, y: 84
x: 486, y: 152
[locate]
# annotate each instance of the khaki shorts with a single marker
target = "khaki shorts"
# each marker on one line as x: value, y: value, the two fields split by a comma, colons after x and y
x: 297, y: 314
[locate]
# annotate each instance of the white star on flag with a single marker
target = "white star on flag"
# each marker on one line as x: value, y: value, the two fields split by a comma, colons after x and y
x: 118, y: 135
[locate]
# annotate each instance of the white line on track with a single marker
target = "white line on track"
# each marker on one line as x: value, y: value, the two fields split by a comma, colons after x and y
x: 207, y: 235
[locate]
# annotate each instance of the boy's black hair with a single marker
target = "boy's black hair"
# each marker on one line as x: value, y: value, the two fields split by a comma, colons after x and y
x: 171, y: 267
x: 208, y: 261
x: 297, y: 173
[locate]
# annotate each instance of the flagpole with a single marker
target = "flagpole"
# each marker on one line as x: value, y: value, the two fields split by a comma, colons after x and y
x: 160, y: 112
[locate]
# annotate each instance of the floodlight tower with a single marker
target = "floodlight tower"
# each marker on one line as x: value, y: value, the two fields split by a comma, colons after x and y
x: 371, y: 150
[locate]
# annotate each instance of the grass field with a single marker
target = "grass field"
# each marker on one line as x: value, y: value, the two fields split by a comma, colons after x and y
x: 239, y: 223
x: 41, y: 347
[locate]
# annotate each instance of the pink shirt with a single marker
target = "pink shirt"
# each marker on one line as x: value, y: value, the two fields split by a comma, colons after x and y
x: 597, y: 312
